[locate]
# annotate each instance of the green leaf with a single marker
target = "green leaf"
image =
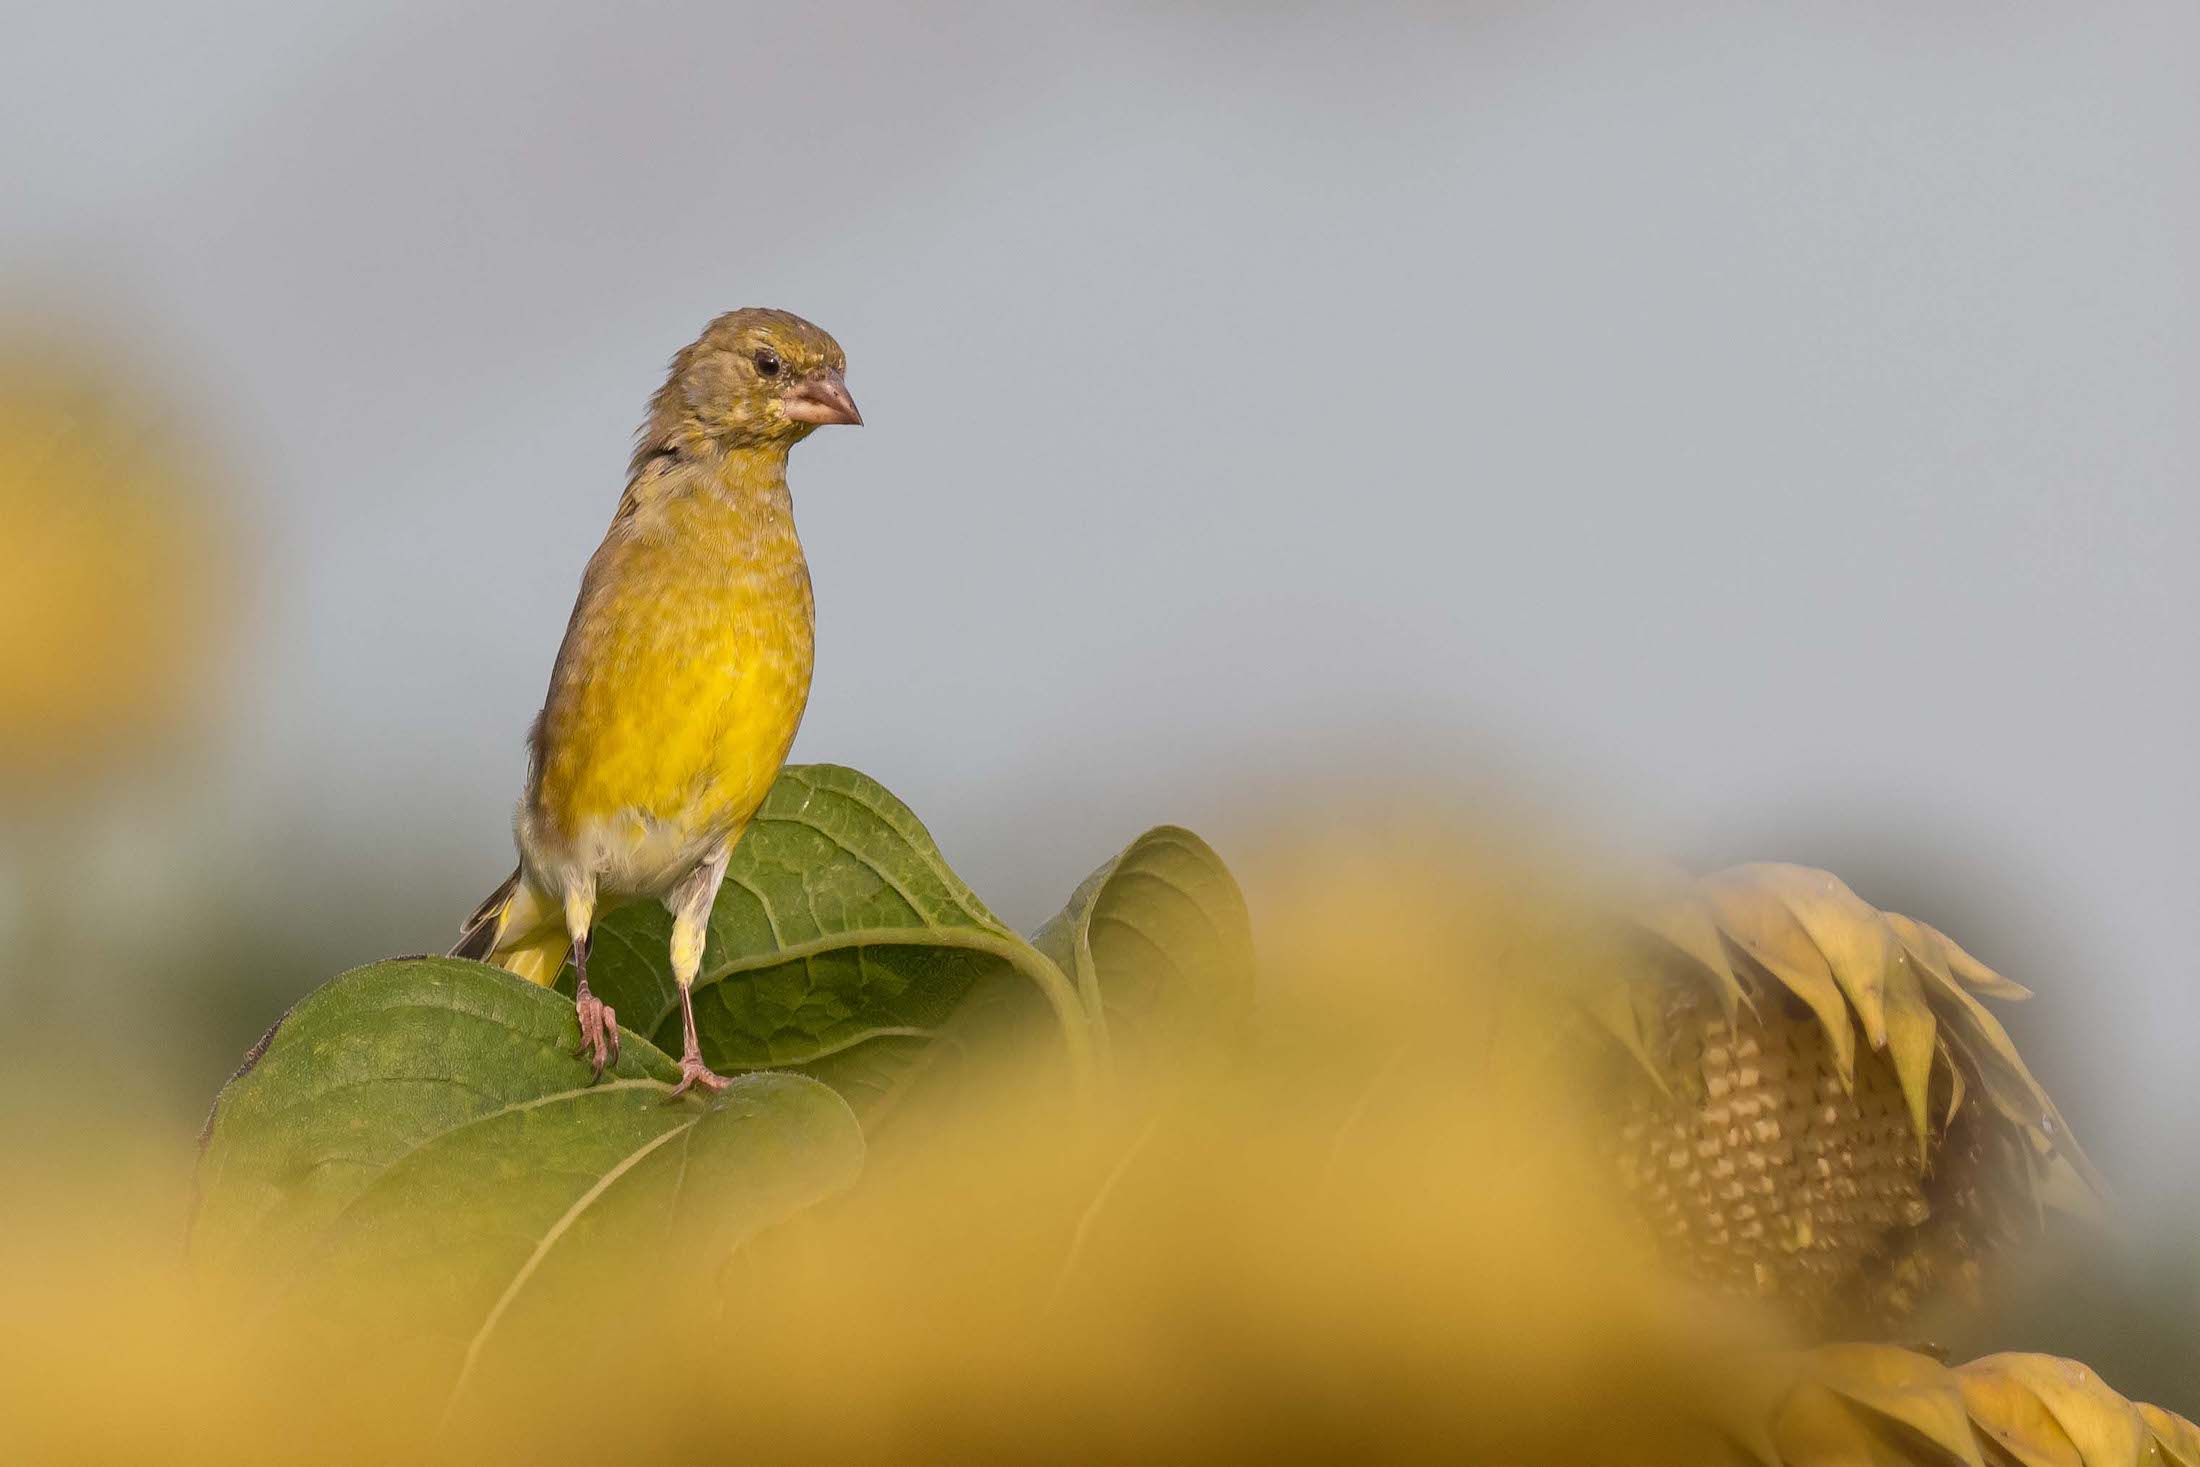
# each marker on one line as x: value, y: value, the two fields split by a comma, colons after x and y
x: 840, y: 943
x: 417, y: 1165
x: 1157, y: 940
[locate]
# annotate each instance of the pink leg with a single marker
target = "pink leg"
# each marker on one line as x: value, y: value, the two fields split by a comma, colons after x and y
x: 598, y: 1020
x: 694, y: 1074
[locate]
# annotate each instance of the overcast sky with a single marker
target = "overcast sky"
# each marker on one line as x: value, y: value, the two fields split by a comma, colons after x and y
x: 1773, y: 435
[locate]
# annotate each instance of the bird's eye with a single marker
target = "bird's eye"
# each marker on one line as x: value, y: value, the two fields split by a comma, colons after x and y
x: 767, y: 362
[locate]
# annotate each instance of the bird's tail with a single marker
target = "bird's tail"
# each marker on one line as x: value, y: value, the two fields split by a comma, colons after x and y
x: 516, y: 929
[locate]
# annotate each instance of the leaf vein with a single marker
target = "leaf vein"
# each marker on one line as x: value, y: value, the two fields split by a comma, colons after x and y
x: 542, y: 1249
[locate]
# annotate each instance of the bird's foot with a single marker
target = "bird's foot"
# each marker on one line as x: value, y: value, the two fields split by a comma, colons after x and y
x: 599, y: 1030
x: 695, y: 1075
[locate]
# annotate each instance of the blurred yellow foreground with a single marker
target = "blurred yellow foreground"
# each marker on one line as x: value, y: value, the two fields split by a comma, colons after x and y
x: 1347, y: 1235
x: 1370, y: 1227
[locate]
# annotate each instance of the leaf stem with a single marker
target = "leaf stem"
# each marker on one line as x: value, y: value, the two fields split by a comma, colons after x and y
x: 1077, y: 1022
x: 1088, y: 987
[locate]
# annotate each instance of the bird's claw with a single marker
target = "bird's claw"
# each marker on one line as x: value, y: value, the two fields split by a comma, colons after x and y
x: 695, y: 1075
x: 599, y: 1031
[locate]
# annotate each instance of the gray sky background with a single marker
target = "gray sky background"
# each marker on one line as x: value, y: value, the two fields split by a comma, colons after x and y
x: 1771, y: 430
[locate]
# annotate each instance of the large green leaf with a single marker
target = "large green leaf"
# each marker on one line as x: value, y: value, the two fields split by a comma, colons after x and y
x: 418, y: 1166
x: 1158, y: 941
x: 840, y: 943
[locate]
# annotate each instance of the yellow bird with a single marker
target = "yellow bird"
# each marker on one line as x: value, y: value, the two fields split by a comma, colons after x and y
x: 683, y: 674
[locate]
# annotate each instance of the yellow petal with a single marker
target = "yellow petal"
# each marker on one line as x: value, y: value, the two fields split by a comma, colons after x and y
x: 1613, y: 1009
x: 1955, y: 1080
x: 1980, y: 1038
x: 1761, y: 925
x: 1927, y: 950
x: 1848, y: 931
x: 1816, y: 1425
x: 1913, y: 1390
x: 2178, y: 1438
x: 2014, y: 1418
x: 1676, y: 913
x: 2100, y: 1425
x: 1975, y: 974
x: 1912, y: 1038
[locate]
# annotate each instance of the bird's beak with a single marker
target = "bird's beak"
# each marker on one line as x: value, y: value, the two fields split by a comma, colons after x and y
x: 820, y: 397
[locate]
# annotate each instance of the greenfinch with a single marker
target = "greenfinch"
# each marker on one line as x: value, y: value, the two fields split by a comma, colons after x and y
x: 683, y: 674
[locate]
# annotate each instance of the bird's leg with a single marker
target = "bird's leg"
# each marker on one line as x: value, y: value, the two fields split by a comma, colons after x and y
x: 691, y: 903
x: 694, y: 1074
x: 599, y: 1025
x: 598, y: 1020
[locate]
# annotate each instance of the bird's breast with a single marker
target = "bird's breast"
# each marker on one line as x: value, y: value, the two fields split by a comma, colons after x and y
x: 678, y: 694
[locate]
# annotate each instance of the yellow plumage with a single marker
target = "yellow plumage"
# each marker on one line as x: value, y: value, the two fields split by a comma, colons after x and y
x: 684, y: 674
x: 684, y: 670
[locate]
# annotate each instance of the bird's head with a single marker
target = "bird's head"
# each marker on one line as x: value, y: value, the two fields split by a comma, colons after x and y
x: 754, y: 378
